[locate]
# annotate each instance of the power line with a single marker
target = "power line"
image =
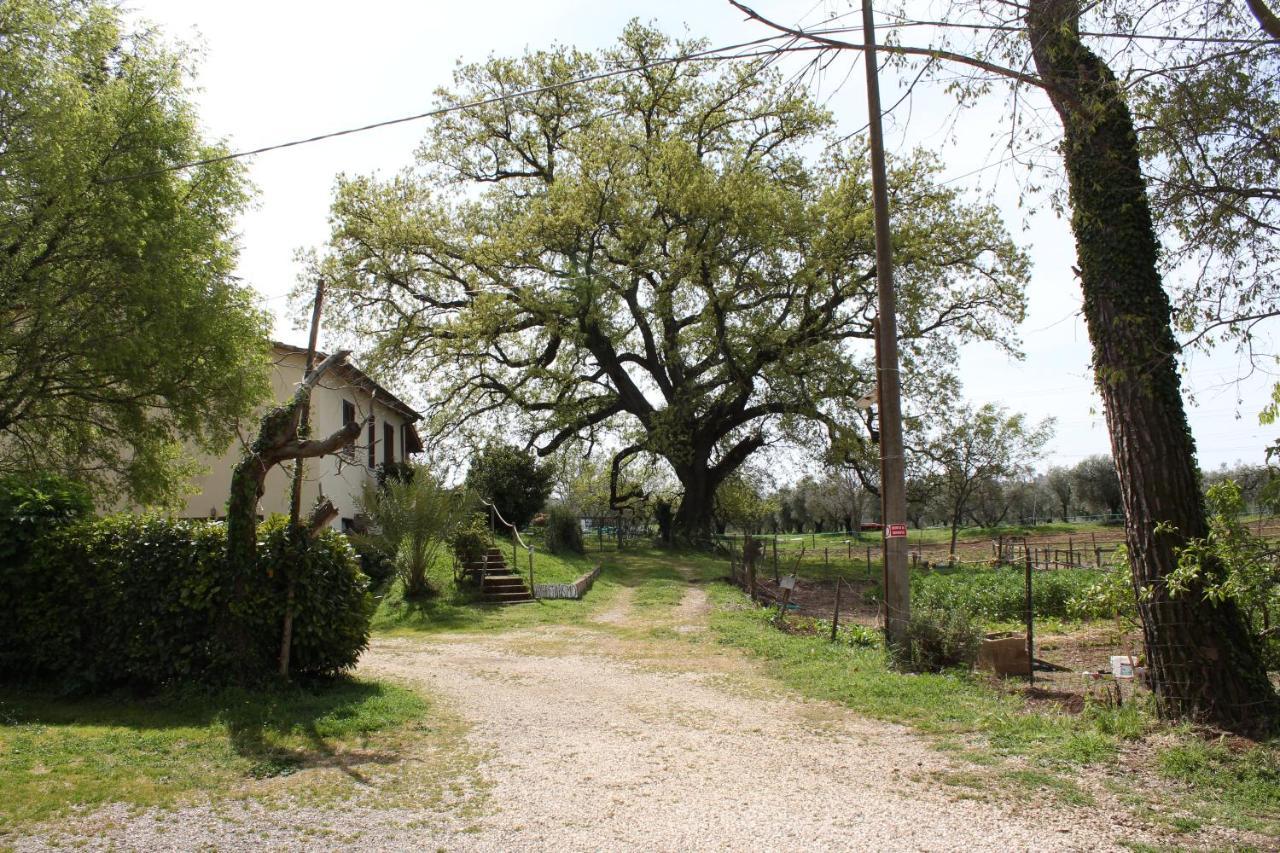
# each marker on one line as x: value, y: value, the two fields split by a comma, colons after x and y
x: 711, y: 54
x: 905, y: 22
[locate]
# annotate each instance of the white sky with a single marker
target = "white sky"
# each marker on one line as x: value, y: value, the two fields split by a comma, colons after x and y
x: 277, y: 71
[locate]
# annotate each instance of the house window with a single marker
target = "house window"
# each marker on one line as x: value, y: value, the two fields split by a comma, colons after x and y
x: 388, y: 444
x: 404, y: 442
x: 348, y: 416
x: 373, y: 443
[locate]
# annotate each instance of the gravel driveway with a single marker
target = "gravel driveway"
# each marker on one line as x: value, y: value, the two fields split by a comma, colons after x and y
x: 617, y: 737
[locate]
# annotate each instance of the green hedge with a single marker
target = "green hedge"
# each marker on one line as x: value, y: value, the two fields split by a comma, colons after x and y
x: 146, y: 601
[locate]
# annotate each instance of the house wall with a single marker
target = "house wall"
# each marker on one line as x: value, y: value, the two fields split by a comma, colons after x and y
x: 342, y: 479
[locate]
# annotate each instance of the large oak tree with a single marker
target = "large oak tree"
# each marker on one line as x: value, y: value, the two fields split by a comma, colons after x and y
x: 668, y: 257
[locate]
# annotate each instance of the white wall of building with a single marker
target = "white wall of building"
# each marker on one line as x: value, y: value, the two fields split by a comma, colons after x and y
x: 340, y: 478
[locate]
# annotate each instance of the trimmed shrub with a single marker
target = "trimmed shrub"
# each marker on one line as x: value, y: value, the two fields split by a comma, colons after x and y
x: 563, y: 533
x: 938, y: 640
x: 145, y: 601
x: 332, y: 607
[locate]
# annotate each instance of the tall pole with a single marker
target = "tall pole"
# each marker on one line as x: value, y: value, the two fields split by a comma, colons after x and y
x: 897, y: 597
x: 304, y: 417
x: 295, y: 495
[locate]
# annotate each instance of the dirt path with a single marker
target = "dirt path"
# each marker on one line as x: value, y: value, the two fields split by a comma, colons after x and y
x: 591, y: 739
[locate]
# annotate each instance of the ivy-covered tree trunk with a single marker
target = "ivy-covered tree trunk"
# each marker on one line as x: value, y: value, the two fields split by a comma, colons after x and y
x: 1203, y: 662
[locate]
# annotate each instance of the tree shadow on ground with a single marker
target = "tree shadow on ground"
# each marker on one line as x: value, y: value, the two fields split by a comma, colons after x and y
x: 278, y: 730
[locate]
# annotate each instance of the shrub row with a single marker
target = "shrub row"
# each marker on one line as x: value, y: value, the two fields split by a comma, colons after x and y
x: 146, y: 601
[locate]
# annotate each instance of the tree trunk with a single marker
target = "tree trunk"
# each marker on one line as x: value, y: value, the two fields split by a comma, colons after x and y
x: 1203, y: 662
x: 693, y: 522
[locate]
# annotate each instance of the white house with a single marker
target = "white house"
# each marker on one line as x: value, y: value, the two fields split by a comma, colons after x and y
x: 343, y: 395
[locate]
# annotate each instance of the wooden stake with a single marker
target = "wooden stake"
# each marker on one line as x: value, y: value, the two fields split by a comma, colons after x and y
x: 1031, y: 661
x: 835, y: 617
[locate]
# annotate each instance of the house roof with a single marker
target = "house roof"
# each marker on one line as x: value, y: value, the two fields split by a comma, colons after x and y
x: 360, y: 379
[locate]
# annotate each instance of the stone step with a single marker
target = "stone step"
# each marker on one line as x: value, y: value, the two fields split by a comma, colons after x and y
x: 508, y: 597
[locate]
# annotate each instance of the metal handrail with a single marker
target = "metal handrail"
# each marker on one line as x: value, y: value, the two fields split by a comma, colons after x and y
x: 515, y: 538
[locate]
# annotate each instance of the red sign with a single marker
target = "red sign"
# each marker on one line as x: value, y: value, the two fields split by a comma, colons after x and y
x: 896, y: 531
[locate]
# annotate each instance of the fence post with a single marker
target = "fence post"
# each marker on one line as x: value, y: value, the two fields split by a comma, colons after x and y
x: 1031, y: 661
x: 835, y: 617
x: 868, y: 562
x: 533, y: 590
x: 826, y: 555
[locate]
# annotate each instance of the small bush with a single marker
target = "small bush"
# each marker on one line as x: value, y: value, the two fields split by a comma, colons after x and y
x: 374, y: 561
x: 938, y: 640
x: 332, y: 609
x: 471, y: 541
x: 564, y: 532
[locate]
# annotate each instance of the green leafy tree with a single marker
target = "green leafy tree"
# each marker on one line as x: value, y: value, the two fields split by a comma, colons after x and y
x: 1203, y: 662
x: 657, y: 257
x: 512, y: 480
x: 1097, y: 485
x: 411, y: 518
x: 1061, y: 484
x: 122, y: 332
x: 976, y: 450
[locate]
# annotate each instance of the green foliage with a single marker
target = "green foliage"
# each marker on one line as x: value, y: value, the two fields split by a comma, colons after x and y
x: 563, y: 532
x: 144, y: 601
x: 672, y: 231
x: 1231, y: 563
x: 512, y: 480
x: 471, y: 540
x: 374, y: 562
x: 1110, y: 594
x: 332, y: 607
x: 411, y: 516
x: 999, y: 595
x: 977, y: 449
x: 122, y: 330
x: 33, y: 506
x: 937, y: 640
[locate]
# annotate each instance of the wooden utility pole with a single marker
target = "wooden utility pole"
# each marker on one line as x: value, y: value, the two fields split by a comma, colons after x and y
x: 304, y: 417
x: 295, y: 496
x: 893, y: 492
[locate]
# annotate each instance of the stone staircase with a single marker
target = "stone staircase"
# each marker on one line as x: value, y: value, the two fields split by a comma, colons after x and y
x: 498, y: 584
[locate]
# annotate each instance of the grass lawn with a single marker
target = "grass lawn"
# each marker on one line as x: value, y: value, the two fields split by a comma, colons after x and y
x: 56, y: 752
x: 1235, y: 783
